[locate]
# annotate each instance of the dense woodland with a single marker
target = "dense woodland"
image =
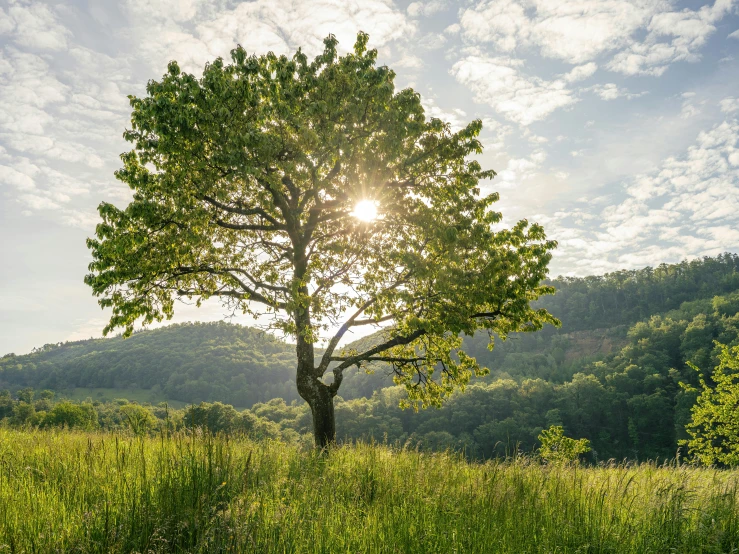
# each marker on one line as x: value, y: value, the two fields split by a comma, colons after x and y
x: 611, y: 374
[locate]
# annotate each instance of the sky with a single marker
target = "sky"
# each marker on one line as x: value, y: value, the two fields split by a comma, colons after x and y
x: 613, y: 123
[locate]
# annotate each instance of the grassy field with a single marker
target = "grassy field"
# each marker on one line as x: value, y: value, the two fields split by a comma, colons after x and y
x: 141, y: 396
x: 81, y: 492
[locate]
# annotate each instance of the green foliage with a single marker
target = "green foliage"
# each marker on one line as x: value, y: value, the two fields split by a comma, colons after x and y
x: 244, y: 182
x: 556, y: 448
x: 139, y: 419
x: 71, y: 416
x: 190, y: 363
x: 628, y: 296
x: 618, y: 387
x: 199, y: 493
x: 714, y: 426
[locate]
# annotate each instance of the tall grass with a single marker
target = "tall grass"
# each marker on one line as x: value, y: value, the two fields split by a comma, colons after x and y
x: 82, y: 492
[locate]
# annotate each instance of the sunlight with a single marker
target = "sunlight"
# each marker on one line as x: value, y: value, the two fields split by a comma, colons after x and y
x: 366, y: 210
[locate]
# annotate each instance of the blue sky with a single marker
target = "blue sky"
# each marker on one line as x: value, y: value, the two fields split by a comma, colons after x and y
x: 611, y: 122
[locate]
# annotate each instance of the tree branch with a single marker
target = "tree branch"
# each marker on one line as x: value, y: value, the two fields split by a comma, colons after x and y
x: 397, y: 341
x: 248, y: 226
x: 241, y: 210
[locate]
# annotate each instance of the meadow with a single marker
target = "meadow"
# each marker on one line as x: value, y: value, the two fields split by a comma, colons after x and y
x: 66, y: 491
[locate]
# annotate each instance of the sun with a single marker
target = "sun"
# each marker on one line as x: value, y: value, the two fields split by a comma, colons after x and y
x: 365, y: 210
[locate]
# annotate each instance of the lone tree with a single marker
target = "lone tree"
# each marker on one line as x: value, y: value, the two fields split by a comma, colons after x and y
x: 312, y: 194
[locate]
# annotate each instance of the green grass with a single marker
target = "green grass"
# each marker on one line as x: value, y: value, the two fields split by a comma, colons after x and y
x: 142, y: 396
x: 82, y: 492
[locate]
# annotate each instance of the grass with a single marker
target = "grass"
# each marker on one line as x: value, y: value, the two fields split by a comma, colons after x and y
x: 142, y: 396
x: 82, y: 492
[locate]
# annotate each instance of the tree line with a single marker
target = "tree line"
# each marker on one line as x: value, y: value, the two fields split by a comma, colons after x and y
x: 628, y: 404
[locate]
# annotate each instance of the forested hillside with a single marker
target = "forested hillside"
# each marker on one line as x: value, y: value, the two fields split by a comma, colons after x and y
x: 611, y: 373
x: 596, y: 313
x: 628, y: 403
x: 191, y: 362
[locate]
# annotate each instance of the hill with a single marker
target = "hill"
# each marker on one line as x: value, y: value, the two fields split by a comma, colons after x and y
x: 596, y: 313
x: 188, y: 362
x: 611, y: 373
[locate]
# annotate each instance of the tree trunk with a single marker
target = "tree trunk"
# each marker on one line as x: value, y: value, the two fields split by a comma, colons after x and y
x: 320, y: 397
x: 324, y: 424
x: 321, y: 401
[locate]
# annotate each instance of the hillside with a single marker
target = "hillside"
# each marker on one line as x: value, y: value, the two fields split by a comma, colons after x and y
x: 596, y: 313
x: 188, y: 362
x: 611, y: 373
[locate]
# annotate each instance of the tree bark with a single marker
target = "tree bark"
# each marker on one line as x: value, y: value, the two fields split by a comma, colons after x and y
x: 319, y: 396
x: 321, y: 401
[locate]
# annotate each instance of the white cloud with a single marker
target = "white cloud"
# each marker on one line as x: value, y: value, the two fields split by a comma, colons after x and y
x: 688, y: 207
x: 38, y: 202
x: 16, y: 179
x: 426, y: 8
x: 687, y: 31
x: 729, y: 104
x: 259, y: 26
x: 456, y: 118
x: 519, y: 170
x: 453, y: 29
x: 580, y: 72
x: 611, y: 91
x: 34, y: 26
x: 735, y: 35
x: 409, y: 61
x: 578, y: 31
x: 500, y: 83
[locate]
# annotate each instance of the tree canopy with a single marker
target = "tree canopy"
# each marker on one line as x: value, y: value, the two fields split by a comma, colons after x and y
x: 247, y: 183
x: 714, y: 427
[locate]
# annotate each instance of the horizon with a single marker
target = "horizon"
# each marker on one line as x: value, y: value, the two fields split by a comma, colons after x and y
x: 622, y: 143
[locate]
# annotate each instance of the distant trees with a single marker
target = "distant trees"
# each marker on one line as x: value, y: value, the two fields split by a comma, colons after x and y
x: 619, y: 387
x: 190, y: 362
x: 628, y: 296
x: 70, y: 416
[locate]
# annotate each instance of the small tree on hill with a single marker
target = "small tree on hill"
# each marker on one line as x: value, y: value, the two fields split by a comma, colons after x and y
x: 714, y: 426
x: 312, y: 193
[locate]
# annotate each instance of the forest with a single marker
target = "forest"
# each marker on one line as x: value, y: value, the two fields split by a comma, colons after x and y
x: 611, y: 374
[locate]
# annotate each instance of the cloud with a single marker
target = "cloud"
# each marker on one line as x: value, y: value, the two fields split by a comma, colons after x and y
x: 687, y: 32
x: 579, y: 31
x: 735, y: 35
x: 729, y: 104
x: 687, y: 207
x: 575, y: 31
x: 456, y: 118
x: 427, y: 8
x: 611, y: 91
x: 409, y: 61
x: 34, y: 26
x: 16, y: 179
x: 519, y: 170
x: 259, y: 26
x: 499, y: 83
x: 580, y: 72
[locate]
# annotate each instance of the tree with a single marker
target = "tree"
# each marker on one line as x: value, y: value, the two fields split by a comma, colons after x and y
x: 557, y: 448
x: 313, y: 194
x: 72, y: 416
x: 714, y: 427
x: 139, y: 419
